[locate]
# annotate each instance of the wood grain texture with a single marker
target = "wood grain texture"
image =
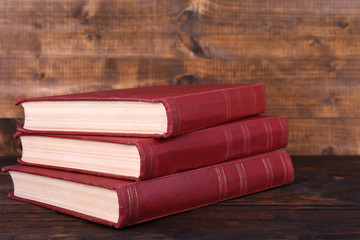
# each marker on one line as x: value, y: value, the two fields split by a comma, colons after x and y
x: 324, y: 136
x: 190, y: 28
x: 295, y: 88
x: 91, y: 28
x: 322, y: 203
x: 307, y: 52
x: 274, y: 29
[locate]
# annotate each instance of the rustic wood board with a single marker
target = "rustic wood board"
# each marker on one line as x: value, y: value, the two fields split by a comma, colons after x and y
x: 305, y: 51
x: 295, y: 88
x: 190, y: 28
x: 324, y: 137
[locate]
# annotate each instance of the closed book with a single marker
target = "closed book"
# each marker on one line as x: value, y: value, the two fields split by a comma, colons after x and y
x: 120, y: 203
x: 156, y: 111
x: 145, y: 158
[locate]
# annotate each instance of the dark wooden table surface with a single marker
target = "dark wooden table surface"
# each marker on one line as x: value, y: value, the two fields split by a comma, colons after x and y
x: 322, y: 203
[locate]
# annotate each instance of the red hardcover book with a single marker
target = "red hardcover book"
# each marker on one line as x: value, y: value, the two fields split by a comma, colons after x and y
x: 157, y: 111
x: 122, y: 203
x: 145, y: 158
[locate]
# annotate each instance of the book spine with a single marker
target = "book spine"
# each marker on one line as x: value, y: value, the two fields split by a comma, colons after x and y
x: 212, y: 145
x: 192, y: 112
x: 144, y: 201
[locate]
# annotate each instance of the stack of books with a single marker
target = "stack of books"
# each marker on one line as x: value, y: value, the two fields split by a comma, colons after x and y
x: 123, y: 157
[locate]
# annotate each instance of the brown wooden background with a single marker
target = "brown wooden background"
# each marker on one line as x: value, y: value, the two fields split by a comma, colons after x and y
x: 307, y: 52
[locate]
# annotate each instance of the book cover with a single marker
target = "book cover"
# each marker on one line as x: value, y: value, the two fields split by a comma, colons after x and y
x: 187, y: 108
x: 159, y: 157
x: 130, y: 203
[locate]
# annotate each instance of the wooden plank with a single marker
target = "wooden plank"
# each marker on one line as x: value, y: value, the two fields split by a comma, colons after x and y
x: 207, y: 28
x: 90, y: 28
x: 323, y: 203
x: 296, y: 88
x: 324, y: 136
x: 274, y: 29
x: 211, y: 222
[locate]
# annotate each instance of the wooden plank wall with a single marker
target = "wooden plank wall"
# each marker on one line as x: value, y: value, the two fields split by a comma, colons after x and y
x: 307, y: 52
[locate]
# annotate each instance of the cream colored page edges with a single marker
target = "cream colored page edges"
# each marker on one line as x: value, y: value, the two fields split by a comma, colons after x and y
x: 103, y: 157
x: 96, y: 116
x: 86, y: 199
